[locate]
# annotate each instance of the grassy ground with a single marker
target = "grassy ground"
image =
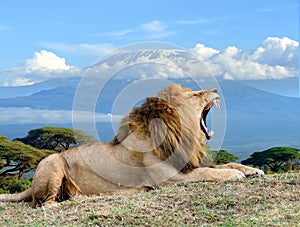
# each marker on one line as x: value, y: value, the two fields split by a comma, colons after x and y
x: 270, y: 201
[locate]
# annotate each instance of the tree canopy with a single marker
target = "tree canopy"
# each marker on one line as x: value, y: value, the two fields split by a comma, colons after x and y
x: 55, y: 138
x: 223, y: 157
x: 16, y: 158
x: 273, y: 158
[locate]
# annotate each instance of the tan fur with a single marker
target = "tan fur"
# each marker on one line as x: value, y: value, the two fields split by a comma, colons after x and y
x: 159, y: 142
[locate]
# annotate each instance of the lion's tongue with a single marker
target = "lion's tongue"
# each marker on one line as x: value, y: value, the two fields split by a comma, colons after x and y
x: 206, y: 131
x: 204, y: 126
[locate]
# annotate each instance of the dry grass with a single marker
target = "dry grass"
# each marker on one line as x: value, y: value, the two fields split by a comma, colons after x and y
x: 270, y: 201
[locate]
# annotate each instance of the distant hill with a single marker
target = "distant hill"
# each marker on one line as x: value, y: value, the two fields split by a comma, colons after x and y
x: 20, y: 91
x: 60, y: 98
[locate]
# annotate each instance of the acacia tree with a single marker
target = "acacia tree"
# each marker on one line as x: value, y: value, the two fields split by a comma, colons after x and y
x: 17, y: 158
x: 274, y: 158
x: 223, y: 157
x: 55, y: 138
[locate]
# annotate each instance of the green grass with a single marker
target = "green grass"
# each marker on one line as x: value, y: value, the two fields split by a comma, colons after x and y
x: 270, y: 201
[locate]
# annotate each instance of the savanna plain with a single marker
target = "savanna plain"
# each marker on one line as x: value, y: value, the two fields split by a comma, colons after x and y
x: 270, y: 201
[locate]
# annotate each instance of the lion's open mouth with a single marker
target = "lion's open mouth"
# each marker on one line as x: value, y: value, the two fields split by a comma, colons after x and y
x: 203, y: 125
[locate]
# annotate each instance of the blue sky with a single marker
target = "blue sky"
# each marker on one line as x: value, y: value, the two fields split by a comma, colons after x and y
x: 79, y: 32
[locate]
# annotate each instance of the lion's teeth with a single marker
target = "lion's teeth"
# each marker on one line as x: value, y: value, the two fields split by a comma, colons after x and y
x: 217, y: 103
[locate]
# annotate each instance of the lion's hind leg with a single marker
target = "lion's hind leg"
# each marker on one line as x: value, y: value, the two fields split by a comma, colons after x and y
x: 48, y: 180
x: 248, y: 171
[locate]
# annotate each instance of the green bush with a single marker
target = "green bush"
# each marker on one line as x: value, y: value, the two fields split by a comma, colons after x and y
x: 20, y: 185
x: 3, y: 191
x: 13, y: 185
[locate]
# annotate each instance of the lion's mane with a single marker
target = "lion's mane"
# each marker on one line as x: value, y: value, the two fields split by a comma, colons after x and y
x: 171, y: 122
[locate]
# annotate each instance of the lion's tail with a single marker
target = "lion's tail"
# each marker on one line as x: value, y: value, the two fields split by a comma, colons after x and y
x: 18, y: 197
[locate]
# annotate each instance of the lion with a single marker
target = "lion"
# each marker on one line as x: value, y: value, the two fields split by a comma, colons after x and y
x: 161, y: 142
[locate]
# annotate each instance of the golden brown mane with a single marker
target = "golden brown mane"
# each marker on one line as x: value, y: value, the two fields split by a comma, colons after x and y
x: 170, y: 121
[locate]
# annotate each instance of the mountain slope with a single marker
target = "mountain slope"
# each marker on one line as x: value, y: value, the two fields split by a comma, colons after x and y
x: 257, y: 120
x: 59, y: 98
x: 255, y: 103
x: 19, y: 91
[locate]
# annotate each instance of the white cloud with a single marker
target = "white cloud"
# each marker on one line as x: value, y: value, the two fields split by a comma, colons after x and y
x: 155, y: 30
x: 82, y: 48
x: 203, y: 52
x: 99, y: 49
x: 151, y: 30
x: 45, y: 61
x: 276, y: 58
x: 154, y: 26
x: 21, y: 82
x: 27, y: 115
x: 276, y: 51
x: 42, y: 66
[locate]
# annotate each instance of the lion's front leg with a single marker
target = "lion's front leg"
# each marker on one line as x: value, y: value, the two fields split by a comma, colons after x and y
x: 163, y: 172
x: 248, y: 171
x: 209, y: 174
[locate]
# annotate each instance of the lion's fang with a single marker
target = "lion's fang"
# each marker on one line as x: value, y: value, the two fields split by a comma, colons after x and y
x: 217, y: 103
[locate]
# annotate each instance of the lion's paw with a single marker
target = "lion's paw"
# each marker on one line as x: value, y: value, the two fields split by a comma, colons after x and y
x: 253, y: 172
x: 233, y: 174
